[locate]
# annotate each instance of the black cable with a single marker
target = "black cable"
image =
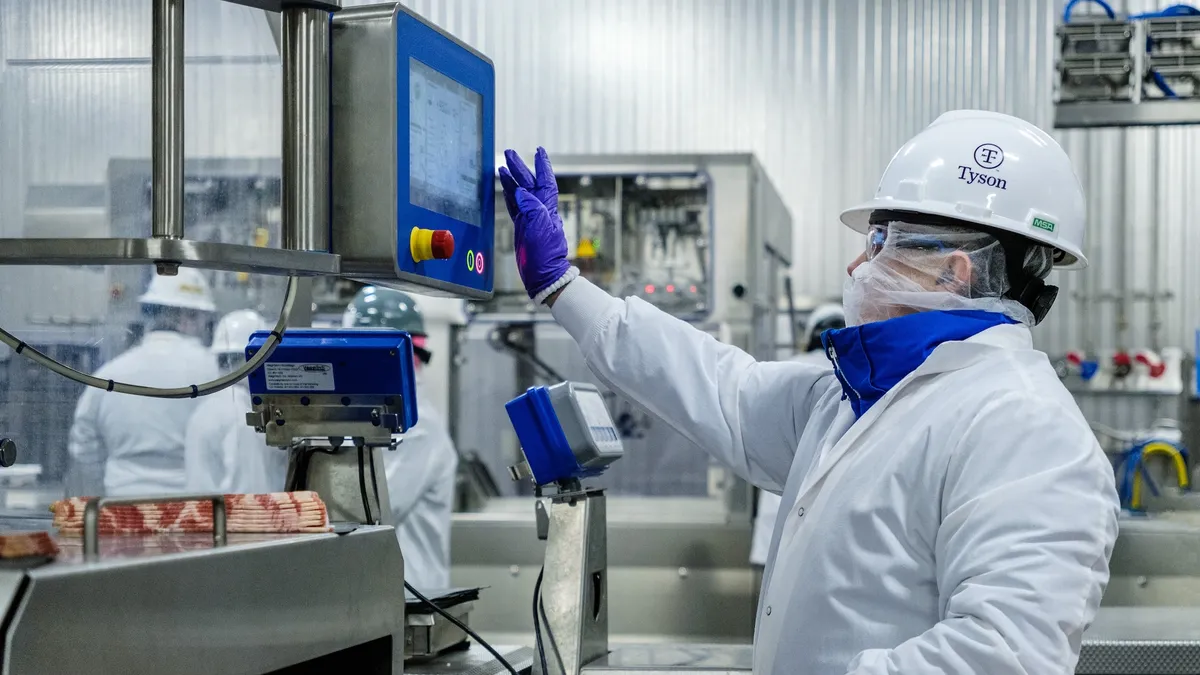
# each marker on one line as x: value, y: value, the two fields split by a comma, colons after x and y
x: 362, y: 486
x: 375, y: 486
x: 463, y: 627
x: 550, y: 634
x: 537, y: 629
x: 497, y: 340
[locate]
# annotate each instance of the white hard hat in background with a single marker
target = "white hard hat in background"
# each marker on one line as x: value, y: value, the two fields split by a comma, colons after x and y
x: 991, y: 169
x: 234, y: 330
x: 186, y: 290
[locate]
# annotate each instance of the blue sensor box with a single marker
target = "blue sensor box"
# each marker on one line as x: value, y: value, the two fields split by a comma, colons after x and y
x: 371, y: 363
x: 565, y: 431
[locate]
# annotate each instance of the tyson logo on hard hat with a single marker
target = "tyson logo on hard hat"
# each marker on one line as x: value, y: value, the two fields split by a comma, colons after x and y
x: 988, y: 156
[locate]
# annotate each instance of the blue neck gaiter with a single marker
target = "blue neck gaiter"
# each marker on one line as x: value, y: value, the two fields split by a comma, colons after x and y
x: 870, y: 359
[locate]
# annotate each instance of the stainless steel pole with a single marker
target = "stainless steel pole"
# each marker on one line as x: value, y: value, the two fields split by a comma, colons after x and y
x: 305, y: 129
x: 166, y: 74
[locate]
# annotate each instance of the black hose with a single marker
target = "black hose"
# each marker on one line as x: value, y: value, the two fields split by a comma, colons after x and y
x: 550, y: 634
x: 362, y: 486
x: 537, y: 630
x: 463, y: 627
x: 375, y: 486
x: 498, y: 340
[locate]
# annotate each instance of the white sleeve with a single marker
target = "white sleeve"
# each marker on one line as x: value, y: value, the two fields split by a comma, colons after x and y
x: 747, y: 415
x: 85, y: 444
x: 1029, y: 519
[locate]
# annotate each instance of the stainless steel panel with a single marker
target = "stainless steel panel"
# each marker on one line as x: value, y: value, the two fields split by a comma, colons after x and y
x: 669, y: 603
x: 202, y: 254
x: 677, y: 569
x: 675, y: 660
x: 259, y: 604
x: 364, y: 173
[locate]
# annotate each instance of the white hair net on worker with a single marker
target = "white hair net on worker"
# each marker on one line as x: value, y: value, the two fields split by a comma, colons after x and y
x: 915, y: 268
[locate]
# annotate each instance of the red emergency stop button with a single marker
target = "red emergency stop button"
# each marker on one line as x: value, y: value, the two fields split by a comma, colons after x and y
x: 431, y: 244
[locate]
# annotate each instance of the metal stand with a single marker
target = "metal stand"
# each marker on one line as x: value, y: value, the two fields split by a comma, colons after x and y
x: 332, y: 470
x: 575, y: 579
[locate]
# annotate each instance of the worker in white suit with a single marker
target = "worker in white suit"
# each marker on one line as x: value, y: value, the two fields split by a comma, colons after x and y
x: 824, y: 317
x: 950, y: 510
x: 221, y: 452
x: 123, y: 445
x: 422, y: 470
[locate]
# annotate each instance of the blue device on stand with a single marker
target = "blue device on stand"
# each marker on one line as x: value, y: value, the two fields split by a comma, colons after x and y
x: 349, y: 367
x: 565, y: 432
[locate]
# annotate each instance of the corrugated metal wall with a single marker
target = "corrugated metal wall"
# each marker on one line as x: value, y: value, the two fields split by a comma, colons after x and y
x: 823, y: 91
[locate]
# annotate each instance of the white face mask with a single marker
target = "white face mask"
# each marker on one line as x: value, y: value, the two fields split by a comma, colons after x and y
x: 876, y: 291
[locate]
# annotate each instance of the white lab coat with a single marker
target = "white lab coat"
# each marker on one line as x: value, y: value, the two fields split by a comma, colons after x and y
x: 962, y: 525
x: 223, y: 454
x: 420, y: 479
x: 126, y: 445
x: 768, y: 502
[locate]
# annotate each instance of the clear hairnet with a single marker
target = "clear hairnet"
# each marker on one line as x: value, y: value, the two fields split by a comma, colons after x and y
x: 914, y: 268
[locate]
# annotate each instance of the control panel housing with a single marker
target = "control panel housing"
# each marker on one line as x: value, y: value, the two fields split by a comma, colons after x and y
x: 413, y: 154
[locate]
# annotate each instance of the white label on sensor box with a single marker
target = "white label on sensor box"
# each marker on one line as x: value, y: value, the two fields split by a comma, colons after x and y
x: 299, y: 376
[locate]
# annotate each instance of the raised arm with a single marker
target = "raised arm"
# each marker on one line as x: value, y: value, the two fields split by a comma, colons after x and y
x: 748, y: 415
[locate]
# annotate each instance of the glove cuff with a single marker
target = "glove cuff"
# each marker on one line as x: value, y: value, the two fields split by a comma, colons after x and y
x: 565, y: 279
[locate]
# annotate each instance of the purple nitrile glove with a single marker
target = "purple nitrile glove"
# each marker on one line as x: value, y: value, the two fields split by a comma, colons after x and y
x: 543, y: 185
x: 538, y: 238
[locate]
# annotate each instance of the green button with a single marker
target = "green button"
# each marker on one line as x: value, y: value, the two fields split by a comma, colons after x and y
x: 471, y: 260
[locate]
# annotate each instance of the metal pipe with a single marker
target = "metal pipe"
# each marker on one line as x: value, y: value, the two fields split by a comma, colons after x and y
x: 166, y: 74
x: 1155, y: 228
x: 305, y: 129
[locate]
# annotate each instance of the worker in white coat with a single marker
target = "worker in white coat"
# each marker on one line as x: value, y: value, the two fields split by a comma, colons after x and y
x: 123, y: 445
x: 221, y: 452
x: 421, y: 471
x: 824, y: 317
x: 951, y: 512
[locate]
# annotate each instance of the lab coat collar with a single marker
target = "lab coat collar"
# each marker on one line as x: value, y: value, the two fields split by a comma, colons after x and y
x: 872, y: 358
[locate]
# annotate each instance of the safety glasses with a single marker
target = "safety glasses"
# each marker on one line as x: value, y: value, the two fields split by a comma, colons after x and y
x: 877, y: 239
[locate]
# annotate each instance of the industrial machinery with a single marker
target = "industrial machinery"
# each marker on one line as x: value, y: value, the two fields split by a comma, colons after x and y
x: 704, y: 237
x: 386, y: 176
x: 1134, y: 70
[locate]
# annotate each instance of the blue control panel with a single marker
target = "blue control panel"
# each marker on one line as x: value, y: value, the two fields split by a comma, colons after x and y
x: 370, y: 363
x: 565, y: 431
x: 446, y: 155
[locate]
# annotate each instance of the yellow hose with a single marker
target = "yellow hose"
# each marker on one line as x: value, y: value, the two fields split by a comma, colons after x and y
x: 1158, y: 448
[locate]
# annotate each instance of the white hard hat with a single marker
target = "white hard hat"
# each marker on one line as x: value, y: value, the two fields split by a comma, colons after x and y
x: 990, y: 169
x: 234, y: 330
x: 187, y: 290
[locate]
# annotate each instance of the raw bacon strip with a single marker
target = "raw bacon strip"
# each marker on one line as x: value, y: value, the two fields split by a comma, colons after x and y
x: 277, y: 512
x: 27, y: 544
